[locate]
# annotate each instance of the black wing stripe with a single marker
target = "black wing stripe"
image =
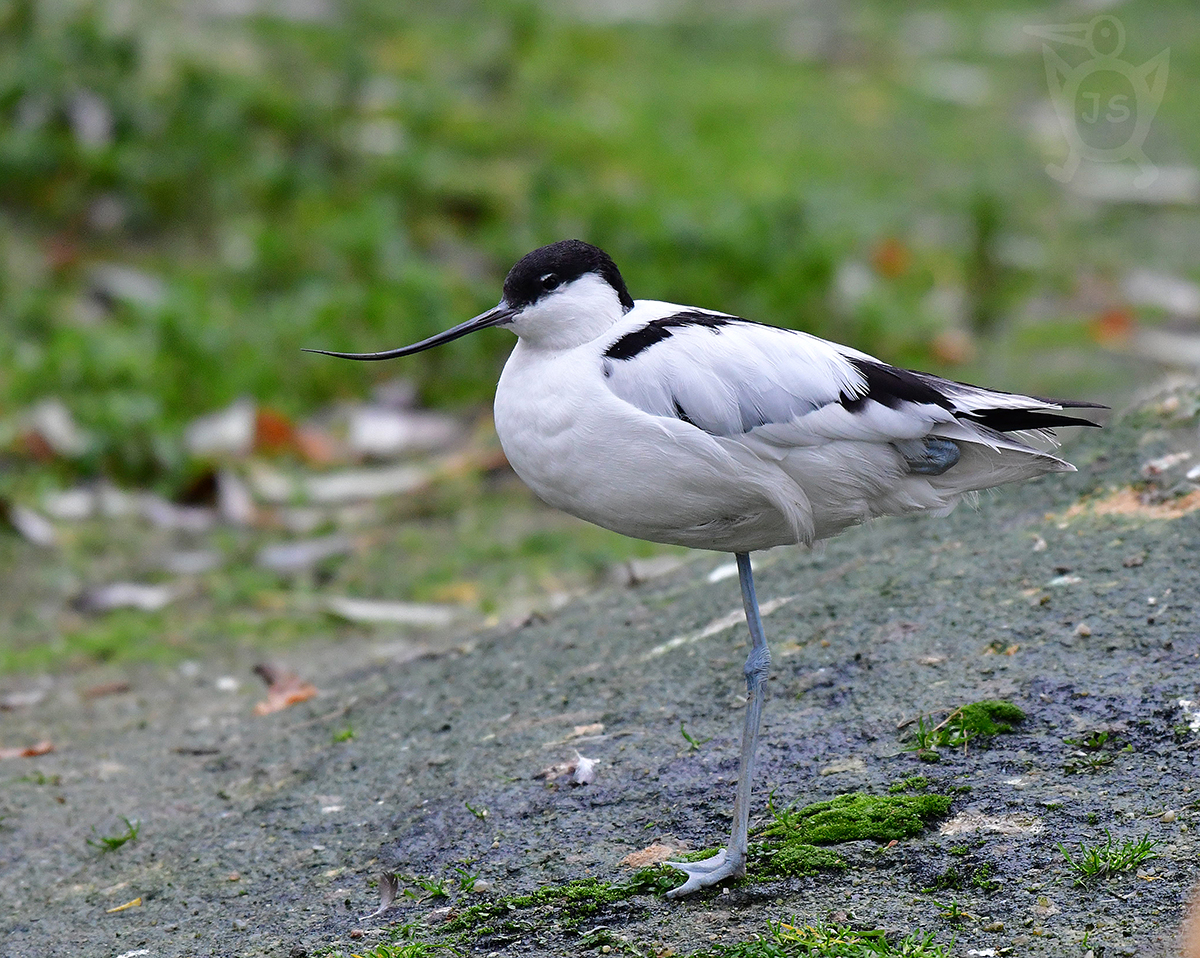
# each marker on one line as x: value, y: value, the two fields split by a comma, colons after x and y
x: 890, y: 386
x: 657, y: 330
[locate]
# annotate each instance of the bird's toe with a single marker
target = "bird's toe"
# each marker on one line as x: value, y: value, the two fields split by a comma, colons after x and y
x: 708, y: 872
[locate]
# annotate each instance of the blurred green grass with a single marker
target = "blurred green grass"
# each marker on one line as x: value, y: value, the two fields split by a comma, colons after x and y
x: 188, y: 198
x: 364, y: 180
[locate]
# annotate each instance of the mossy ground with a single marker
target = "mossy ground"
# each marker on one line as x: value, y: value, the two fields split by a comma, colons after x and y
x: 797, y: 843
x: 970, y: 725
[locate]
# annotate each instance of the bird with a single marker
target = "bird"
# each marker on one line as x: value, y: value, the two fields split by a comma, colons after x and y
x: 697, y: 428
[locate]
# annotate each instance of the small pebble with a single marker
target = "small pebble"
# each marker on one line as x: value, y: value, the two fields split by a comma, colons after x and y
x: 481, y: 886
x: 993, y: 926
x: 1169, y: 815
x: 356, y: 933
x: 1083, y: 630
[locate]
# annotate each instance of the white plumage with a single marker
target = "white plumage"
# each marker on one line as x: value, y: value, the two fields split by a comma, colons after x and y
x: 692, y: 427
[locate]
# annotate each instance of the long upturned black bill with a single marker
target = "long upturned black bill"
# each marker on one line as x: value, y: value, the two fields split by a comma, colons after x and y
x: 493, y: 317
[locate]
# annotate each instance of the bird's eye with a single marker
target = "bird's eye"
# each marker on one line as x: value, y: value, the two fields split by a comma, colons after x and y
x: 550, y: 281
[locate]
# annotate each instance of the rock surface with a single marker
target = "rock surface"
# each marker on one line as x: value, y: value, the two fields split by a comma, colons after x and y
x: 1074, y: 597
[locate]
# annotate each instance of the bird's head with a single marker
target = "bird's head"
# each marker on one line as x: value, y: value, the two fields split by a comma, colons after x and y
x: 557, y: 297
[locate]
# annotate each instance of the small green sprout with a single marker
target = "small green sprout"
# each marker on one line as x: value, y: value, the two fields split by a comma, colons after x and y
x: 1104, y: 861
x: 344, y: 735
x: 966, y: 724
x: 481, y: 813
x: 953, y: 912
x: 693, y: 742
x: 466, y: 879
x: 110, y: 843
x: 433, y: 887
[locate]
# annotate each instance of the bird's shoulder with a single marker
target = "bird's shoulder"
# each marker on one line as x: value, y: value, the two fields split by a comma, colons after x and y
x: 721, y: 373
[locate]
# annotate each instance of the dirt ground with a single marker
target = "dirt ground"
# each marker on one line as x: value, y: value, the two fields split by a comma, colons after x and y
x: 1073, y: 597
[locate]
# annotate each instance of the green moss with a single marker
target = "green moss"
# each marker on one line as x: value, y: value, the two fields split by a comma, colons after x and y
x: 956, y: 878
x: 968, y: 724
x: 858, y: 817
x: 913, y: 783
x: 792, y: 858
x: 790, y: 845
x: 567, y: 904
x: 802, y: 940
x: 990, y: 717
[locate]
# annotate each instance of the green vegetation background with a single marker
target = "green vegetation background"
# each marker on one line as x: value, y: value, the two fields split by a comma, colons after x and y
x: 188, y: 197
x: 364, y: 179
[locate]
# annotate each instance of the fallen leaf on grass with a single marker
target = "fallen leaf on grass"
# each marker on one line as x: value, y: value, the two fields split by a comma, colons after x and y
x: 284, y: 689
x: 650, y: 855
x: 355, y: 484
x: 273, y: 431
x: 389, y: 885
x: 228, y: 432
x: 296, y: 556
x: 30, y: 751
x: 31, y: 526
x: 126, y: 595
x: 392, y: 613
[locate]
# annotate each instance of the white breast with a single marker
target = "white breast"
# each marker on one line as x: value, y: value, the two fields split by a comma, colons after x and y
x: 589, y: 453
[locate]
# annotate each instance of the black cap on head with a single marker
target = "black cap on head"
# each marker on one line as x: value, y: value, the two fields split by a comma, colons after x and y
x: 546, y: 269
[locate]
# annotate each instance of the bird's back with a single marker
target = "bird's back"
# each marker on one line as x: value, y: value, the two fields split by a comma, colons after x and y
x: 696, y: 428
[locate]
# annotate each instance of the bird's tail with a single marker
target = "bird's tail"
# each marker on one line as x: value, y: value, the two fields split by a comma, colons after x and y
x: 1002, y: 437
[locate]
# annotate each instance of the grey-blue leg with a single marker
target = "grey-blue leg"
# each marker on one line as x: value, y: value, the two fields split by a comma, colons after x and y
x: 730, y: 862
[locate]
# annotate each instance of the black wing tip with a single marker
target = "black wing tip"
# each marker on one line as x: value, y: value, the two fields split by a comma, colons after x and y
x: 1019, y: 420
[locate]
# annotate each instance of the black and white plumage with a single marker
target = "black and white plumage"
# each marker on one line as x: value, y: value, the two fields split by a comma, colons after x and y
x: 692, y: 427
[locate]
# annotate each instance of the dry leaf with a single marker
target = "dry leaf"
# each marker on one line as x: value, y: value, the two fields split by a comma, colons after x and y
x: 297, y: 556
x: 284, y: 689
x: 129, y: 904
x: 126, y: 595
x: 273, y: 431
x: 650, y: 855
x: 31, y: 526
x: 30, y: 751
x: 1128, y: 502
x: 391, y: 613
